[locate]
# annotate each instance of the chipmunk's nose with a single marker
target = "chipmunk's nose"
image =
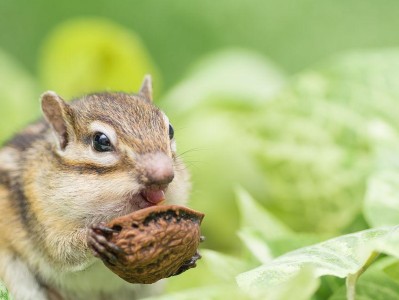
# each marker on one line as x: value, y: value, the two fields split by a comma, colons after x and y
x: 156, y: 169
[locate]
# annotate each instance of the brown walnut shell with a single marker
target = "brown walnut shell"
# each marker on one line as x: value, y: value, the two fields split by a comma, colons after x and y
x: 158, y: 242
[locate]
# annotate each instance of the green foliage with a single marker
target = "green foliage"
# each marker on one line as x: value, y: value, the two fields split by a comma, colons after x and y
x: 85, y: 55
x: 19, y: 96
x: 381, y: 205
x: 294, y: 34
x: 215, y: 102
x: 346, y: 256
x: 305, y: 151
x: 340, y: 257
x: 317, y: 151
x: 3, y: 292
x: 322, y: 138
x: 297, y: 274
x: 374, y: 286
x: 324, y: 150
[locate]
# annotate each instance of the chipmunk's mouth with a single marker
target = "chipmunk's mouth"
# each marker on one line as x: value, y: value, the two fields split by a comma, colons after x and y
x: 148, y: 197
x: 155, y: 196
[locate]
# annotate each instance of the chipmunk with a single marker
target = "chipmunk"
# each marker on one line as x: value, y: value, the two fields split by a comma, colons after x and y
x: 88, y: 161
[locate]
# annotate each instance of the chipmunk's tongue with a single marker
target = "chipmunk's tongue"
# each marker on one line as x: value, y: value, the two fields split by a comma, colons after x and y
x: 153, y: 196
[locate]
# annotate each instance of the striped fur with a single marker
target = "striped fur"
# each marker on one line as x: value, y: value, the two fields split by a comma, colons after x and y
x: 51, y: 192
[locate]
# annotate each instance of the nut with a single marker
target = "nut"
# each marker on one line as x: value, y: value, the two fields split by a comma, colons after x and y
x: 149, y: 244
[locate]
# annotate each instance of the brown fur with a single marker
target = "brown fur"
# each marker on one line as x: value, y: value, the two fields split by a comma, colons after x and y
x: 53, y: 185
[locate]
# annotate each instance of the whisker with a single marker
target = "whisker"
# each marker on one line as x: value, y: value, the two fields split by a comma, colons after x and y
x: 186, y: 153
x: 185, y: 166
x: 182, y: 163
x: 189, y: 151
x: 186, y: 162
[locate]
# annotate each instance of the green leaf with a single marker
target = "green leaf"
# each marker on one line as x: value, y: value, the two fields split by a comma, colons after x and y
x: 209, y: 292
x: 381, y: 205
x: 256, y: 244
x: 286, y: 244
x: 300, y: 287
x: 223, y: 266
x: 263, y: 234
x: 227, y: 79
x: 213, y: 269
x: 339, y: 257
x: 390, y: 243
x: 264, y: 249
x: 391, y: 268
x: 254, y: 216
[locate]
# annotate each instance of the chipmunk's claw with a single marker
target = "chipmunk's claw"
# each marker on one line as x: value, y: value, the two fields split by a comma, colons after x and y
x: 103, y: 228
x: 102, y: 248
x: 191, y: 263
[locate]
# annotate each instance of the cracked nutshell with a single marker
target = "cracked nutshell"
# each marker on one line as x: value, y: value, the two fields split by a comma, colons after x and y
x: 152, y: 243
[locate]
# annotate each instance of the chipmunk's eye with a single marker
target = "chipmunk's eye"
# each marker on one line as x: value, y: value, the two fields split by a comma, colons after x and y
x: 101, y: 142
x: 171, y: 132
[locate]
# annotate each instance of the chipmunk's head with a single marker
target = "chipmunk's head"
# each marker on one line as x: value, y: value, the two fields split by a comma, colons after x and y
x: 116, y: 153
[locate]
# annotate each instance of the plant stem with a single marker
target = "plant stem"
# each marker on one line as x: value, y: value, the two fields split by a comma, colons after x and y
x: 351, y: 280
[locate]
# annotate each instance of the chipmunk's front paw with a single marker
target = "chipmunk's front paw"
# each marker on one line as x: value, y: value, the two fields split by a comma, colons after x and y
x: 102, y: 248
x: 191, y: 263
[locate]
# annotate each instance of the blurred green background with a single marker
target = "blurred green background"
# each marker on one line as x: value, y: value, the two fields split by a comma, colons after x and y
x: 288, y: 99
x: 294, y: 34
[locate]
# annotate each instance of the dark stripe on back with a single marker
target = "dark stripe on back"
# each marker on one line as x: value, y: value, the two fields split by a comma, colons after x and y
x: 21, y: 203
x: 5, y: 179
x: 24, y: 140
x: 18, y: 199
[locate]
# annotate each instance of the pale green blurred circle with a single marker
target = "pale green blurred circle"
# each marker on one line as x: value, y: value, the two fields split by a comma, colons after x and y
x: 88, y: 55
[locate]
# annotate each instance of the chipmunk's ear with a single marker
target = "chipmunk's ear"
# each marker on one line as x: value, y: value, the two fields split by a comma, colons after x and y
x: 146, y: 88
x: 58, y: 114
